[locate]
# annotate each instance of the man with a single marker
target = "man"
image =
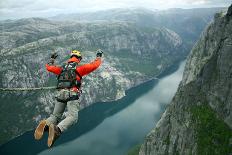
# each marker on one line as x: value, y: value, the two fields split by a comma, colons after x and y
x: 69, y: 83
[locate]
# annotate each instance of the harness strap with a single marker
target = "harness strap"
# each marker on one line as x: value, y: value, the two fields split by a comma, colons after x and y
x: 78, y: 74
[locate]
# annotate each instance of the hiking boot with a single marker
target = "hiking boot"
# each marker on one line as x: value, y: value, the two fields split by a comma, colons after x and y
x: 54, y: 133
x: 40, y: 129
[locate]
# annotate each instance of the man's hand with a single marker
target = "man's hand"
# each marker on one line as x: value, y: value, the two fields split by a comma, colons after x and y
x: 54, y: 56
x: 52, y: 59
x: 99, y: 53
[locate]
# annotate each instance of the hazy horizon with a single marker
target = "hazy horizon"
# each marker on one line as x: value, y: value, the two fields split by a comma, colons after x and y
x: 13, y: 9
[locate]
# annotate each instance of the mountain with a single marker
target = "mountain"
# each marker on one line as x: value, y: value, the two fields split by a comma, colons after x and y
x: 133, y: 54
x: 199, y: 118
x: 188, y: 23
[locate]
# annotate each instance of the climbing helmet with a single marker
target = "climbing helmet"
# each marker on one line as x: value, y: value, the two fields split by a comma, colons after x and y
x: 76, y: 53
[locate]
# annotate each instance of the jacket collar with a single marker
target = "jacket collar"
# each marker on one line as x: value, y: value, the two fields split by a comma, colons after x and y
x: 73, y: 59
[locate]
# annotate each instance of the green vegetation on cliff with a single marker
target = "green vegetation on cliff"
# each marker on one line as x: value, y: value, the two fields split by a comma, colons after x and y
x: 213, y: 134
x: 134, y: 150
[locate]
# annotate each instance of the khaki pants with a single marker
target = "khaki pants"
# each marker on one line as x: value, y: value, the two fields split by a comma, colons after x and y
x: 65, y: 98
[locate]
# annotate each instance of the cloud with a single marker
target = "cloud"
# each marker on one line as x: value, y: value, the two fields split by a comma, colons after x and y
x: 27, y: 8
x: 66, y: 4
x: 12, y: 4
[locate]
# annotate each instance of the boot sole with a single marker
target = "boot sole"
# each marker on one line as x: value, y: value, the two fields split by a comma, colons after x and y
x: 40, y: 130
x: 51, y: 135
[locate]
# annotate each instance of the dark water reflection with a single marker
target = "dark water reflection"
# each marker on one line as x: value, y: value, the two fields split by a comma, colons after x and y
x: 107, y: 128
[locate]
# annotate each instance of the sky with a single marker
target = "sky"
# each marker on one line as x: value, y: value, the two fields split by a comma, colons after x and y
x: 14, y: 9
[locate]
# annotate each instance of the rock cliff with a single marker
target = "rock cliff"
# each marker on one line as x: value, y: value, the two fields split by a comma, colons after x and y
x: 199, y: 118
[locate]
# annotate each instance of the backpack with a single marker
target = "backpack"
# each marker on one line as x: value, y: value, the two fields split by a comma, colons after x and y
x: 67, y: 78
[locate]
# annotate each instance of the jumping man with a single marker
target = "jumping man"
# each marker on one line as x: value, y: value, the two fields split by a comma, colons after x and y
x: 69, y: 83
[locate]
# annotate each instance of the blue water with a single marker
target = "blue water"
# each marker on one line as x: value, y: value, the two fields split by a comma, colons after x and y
x: 108, y: 128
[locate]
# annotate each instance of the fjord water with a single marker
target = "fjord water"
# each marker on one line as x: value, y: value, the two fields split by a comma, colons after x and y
x: 108, y: 128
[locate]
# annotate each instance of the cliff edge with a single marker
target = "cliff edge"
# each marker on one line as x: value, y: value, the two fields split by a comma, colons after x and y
x: 199, y: 118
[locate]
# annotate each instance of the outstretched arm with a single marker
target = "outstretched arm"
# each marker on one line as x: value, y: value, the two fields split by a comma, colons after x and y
x: 51, y: 67
x: 88, y: 68
x: 54, y: 69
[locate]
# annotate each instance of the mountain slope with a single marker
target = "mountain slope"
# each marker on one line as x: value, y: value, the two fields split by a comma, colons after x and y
x: 132, y: 55
x: 199, y: 119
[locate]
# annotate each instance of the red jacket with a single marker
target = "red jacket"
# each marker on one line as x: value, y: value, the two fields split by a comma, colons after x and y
x: 82, y: 70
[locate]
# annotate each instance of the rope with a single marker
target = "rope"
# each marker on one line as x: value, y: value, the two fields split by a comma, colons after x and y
x: 27, y: 89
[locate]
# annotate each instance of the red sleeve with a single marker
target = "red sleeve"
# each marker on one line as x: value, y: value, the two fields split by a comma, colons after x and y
x: 54, y: 69
x: 88, y: 68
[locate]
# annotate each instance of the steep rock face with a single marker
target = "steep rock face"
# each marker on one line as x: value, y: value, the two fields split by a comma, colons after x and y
x: 199, y: 119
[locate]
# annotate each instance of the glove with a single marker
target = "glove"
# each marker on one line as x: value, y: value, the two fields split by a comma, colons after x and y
x: 54, y: 56
x: 52, y: 59
x: 99, y: 53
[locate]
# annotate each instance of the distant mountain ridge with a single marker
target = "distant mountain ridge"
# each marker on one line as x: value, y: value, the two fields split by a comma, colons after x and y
x: 185, y: 22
